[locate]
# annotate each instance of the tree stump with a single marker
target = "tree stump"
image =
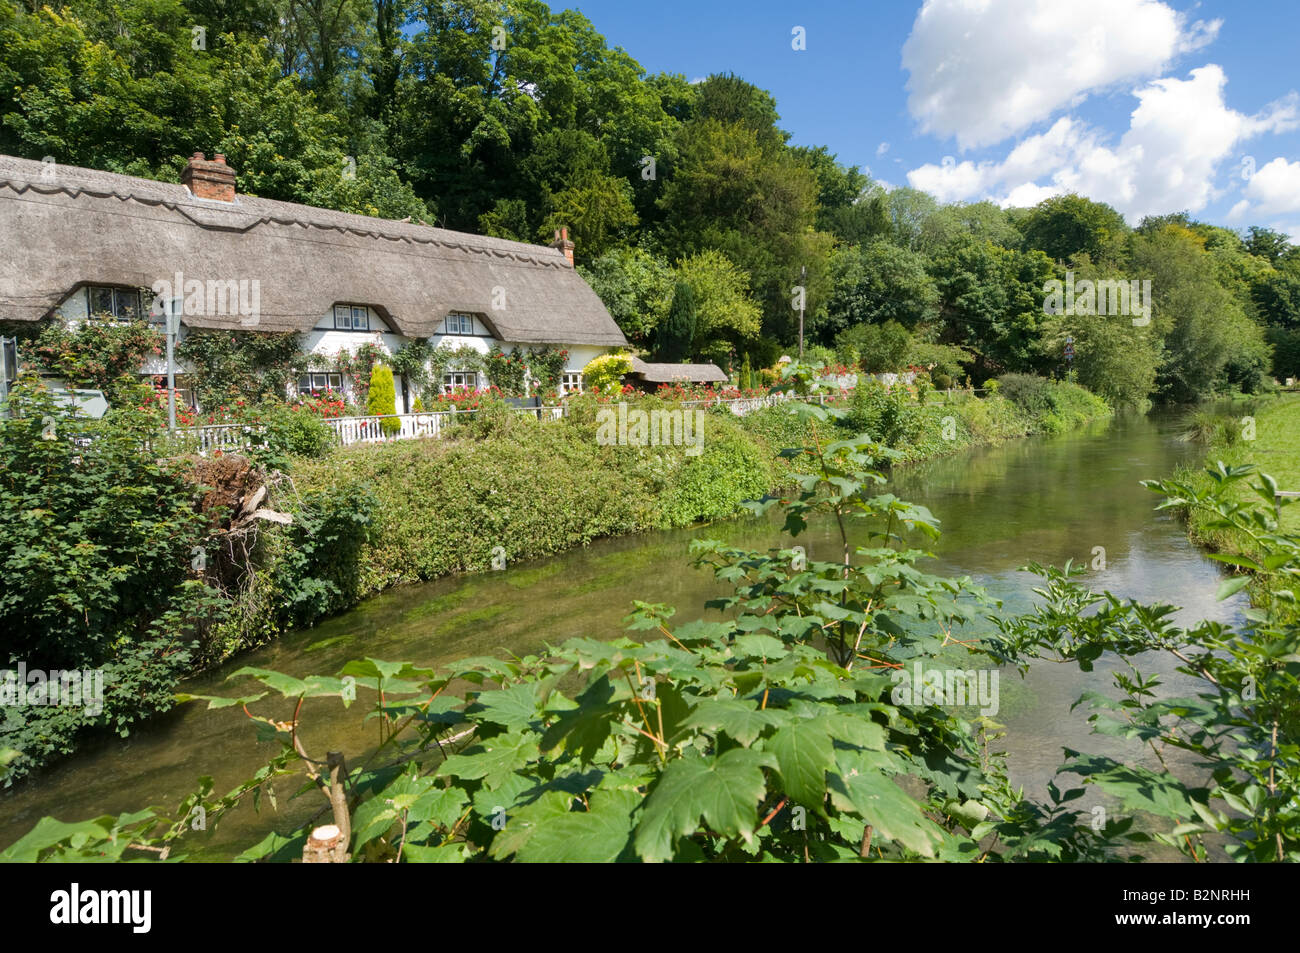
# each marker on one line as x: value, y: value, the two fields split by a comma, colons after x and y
x: 326, y: 845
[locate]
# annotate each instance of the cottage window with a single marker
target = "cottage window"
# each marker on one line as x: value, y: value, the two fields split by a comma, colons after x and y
x: 116, y: 304
x: 319, y: 381
x: 571, y: 383
x: 351, y: 317
x: 455, y: 379
x: 458, y: 323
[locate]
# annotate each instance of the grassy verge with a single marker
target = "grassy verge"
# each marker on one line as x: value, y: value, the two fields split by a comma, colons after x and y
x: 1265, y: 433
x: 510, y: 488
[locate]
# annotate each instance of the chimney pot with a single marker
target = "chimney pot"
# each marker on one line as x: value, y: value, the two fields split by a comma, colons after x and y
x: 209, y: 180
x: 563, y: 244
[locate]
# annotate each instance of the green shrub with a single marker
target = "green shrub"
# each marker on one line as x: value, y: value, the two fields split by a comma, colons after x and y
x: 1028, y: 391
x: 992, y: 419
x: 730, y: 469
x: 97, y: 540
x: 816, y: 354
x: 444, y: 505
x: 292, y: 433
x: 381, y: 399
x: 492, y: 418
x: 887, y: 414
x: 606, y: 372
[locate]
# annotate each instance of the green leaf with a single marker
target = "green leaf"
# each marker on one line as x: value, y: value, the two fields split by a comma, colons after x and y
x: 887, y: 808
x: 514, y: 707
x: 48, y: 832
x: 439, y: 854
x: 723, y: 792
x: 493, y: 760
x: 741, y: 720
x: 804, y: 753
x: 596, y: 836
x: 1230, y: 586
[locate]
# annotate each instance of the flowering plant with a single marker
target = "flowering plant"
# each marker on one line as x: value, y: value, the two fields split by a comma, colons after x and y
x: 463, y: 398
x: 325, y: 404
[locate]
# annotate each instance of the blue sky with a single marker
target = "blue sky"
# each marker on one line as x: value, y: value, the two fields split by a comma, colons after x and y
x: 1151, y: 106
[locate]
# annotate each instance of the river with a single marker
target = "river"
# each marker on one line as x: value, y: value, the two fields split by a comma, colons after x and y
x: 1044, y: 499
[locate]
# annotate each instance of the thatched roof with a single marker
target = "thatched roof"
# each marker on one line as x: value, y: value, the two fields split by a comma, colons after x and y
x: 669, y: 373
x: 84, y: 226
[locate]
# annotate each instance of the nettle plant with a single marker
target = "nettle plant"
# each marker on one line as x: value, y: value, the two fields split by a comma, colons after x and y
x: 770, y: 735
x: 1240, y: 730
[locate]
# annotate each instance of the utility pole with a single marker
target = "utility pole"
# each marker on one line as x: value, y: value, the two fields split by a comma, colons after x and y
x: 803, y: 298
x: 7, y: 346
x: 172, y: 320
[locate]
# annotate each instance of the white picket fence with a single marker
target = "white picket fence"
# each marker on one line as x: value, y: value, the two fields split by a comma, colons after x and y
x: 744, y: 405
x: 231, y: 438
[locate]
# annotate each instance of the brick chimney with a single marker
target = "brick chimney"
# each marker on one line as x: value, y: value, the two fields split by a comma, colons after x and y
x: 563, y: 244
x: 209, y: 180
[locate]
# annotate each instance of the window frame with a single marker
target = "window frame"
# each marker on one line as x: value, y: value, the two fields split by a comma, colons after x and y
x: 114, y: 310
x: 464, y: 323
x: 449, y: 380
x: 567, y: 388
x: 309, y: 376
x: 355, y: 317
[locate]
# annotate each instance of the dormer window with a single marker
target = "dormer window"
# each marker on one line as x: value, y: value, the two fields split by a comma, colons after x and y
x: 116, y: 304
x: 459, y: 323
x: 351, y: 317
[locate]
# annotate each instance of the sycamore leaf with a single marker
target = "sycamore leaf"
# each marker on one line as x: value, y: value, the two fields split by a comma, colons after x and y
x: 493, y: 760
x: 803, y: 754
x: 739, y: 719
x: 514, y: 707
x: 887, y: 808
x: 723, y: 792
x: 596, y: 836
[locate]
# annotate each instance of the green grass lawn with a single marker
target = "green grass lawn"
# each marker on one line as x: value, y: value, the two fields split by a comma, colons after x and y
x: 1275, y: 450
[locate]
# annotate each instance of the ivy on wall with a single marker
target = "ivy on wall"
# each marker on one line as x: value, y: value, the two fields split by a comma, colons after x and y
x: 547, y: 365
x: 412, y: 362
x: 94, y: 353
x: 358, y: 365
x: 245, y: 364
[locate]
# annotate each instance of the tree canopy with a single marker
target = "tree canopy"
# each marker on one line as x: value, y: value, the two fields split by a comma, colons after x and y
x: 508, y: 118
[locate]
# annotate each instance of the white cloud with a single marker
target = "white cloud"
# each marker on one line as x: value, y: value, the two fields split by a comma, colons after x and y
x: 882, y: 148
x: 1238, y: 211
x: 984, y: 71
x: 1179, y: 134
x: 1274, y: 188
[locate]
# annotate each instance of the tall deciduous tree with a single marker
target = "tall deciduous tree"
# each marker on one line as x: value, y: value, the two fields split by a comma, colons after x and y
x: 636, y: 287
x: 1067, y: 225
x: 727, y: 317
x: 1208, y: 340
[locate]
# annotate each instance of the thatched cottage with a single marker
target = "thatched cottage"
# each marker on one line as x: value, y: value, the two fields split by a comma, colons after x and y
x: 75, y: 242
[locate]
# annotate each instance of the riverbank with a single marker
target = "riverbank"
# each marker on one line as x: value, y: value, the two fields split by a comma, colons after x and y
x: 508, y: 488
x: 1264, y: 433
x: 503, y: 488
x: 1045, y: 500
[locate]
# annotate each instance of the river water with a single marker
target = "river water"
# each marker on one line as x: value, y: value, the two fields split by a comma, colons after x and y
x: 1044, y: 499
